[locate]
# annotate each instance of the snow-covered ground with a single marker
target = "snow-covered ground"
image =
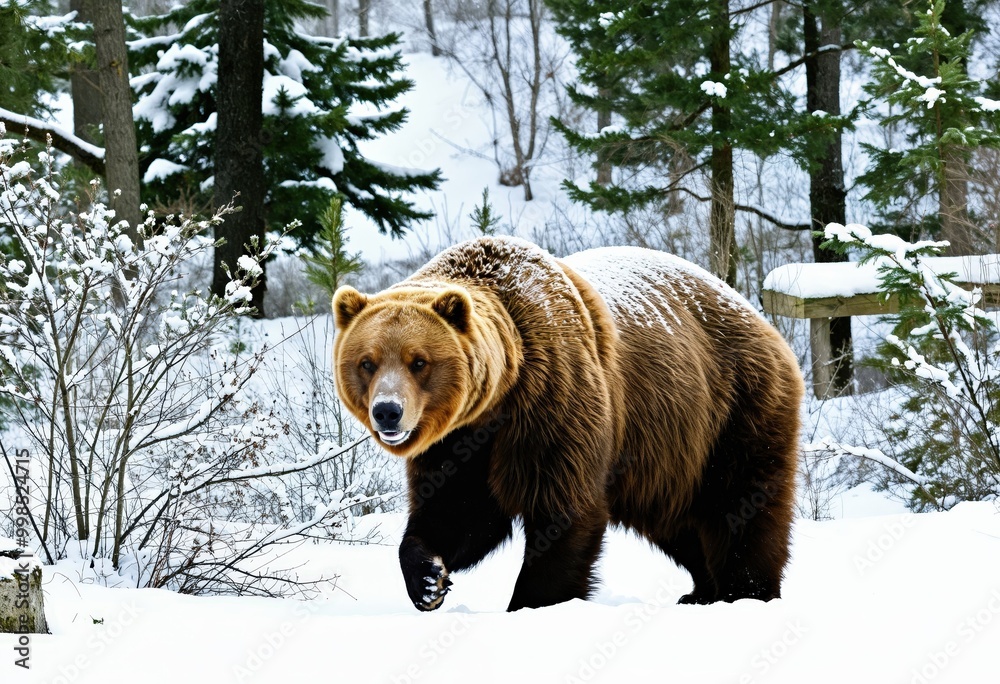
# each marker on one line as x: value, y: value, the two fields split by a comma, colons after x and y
x: 872, y: 598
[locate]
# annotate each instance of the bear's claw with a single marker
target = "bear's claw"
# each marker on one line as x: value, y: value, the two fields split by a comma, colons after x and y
x: 439, y: 584
x: 426, y: 577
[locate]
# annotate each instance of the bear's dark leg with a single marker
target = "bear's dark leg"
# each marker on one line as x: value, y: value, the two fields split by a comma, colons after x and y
x: 559, y: 556
x: 748, y: 560
x: 746, y: 537
x: 744, y: 511
x: 455, y: 521
x: 686, y: 550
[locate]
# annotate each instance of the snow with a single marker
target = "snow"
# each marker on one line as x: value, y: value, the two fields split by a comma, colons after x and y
x: 295, y: 64
x: 845, y: 279
x: 623, y: 275
x: 606, y: 19
x: 249, y: 264
x: 274, y: 84
x: 23, y: 121
x: 714, y: 88
x: 177, y: 54
x: 827, y: 444
x: 160, y: 169
x: 882, y: 589
x: 394, y: 170
x: 931, y: 96
x: 988, y: 105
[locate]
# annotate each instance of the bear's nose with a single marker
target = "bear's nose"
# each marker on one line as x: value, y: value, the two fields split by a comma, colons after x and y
x: 386, y: 415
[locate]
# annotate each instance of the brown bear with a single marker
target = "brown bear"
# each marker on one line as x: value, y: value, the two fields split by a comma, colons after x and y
x: 619, y: 385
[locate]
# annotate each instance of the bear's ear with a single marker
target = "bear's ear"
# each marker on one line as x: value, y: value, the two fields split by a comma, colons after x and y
x: 347, y: 303
x: 455, y: 306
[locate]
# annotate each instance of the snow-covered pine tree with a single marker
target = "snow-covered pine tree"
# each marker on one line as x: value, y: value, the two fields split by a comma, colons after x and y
x: 681, y: 102
x: 33, y: 54
x: 918, y: 189
x: 322, y: 96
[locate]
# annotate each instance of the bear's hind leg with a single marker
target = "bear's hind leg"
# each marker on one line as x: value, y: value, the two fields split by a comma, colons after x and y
x: 746, y: 540
x: 748, y: 491
x: 749, y: 561
x: 685, y: 549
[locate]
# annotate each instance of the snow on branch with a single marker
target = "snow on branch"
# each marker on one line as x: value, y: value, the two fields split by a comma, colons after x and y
x: 827, y: 444
x: 40, y: 131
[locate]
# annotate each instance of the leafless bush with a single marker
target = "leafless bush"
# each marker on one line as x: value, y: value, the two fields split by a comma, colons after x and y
x: 129, y: 395
x: 508, y: 50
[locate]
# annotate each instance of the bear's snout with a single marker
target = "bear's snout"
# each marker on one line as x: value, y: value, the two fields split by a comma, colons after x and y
x: 386, y: 416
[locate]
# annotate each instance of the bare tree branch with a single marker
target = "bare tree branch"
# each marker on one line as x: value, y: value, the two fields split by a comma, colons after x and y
x: 754, y: 210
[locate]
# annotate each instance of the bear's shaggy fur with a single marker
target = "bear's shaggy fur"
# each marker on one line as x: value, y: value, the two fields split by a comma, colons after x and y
x: 619, y: 385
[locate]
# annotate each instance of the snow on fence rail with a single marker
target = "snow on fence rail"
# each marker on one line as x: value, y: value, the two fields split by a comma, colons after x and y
x: 820, y: 292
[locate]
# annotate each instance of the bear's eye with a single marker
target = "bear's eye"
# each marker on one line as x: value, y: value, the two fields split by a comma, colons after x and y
x: 367, y: 366
x: 418, y: 364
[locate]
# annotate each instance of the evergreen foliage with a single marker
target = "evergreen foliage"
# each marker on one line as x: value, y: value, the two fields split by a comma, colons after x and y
x: 942, y: 112
x: 331, y: 262
x: 944, y: 357
x: 34, y: 52
x: 322, y: 97
x: 648, y: 64
x: 484, y: 218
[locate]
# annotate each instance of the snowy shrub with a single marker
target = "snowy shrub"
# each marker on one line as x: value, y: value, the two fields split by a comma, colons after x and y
x: 129, y: 394
x: 299, y: 383
x: 944, y: 356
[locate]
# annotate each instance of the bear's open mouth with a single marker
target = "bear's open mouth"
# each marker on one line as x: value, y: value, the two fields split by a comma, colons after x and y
x: 393, y: 438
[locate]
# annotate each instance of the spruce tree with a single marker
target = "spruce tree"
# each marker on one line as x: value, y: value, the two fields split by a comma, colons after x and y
x: 680, y: 98
x: 945, y: 117
x: 331, y: 262
x: 315, y: 90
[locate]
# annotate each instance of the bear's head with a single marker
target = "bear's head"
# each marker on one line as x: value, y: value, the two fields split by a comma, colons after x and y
x: 415, y: 363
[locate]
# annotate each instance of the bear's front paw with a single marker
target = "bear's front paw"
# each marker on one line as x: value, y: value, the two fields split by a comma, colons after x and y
x: 426, y: 577
x: 436, y: 585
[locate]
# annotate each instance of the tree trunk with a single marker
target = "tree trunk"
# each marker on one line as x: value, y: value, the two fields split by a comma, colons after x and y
x: 722, y: 220
x: 603, y: 121
x: 364, y: 8
x: 239, y: 165
x: 833, y: 371
x: 953, y: 201
x: 22, y: 609
x: 953, y: 194
x: 333, y: 18
x: 86, y: 94
x: 120, y: 149
x: 429, y: 21
x: 773, y: 23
